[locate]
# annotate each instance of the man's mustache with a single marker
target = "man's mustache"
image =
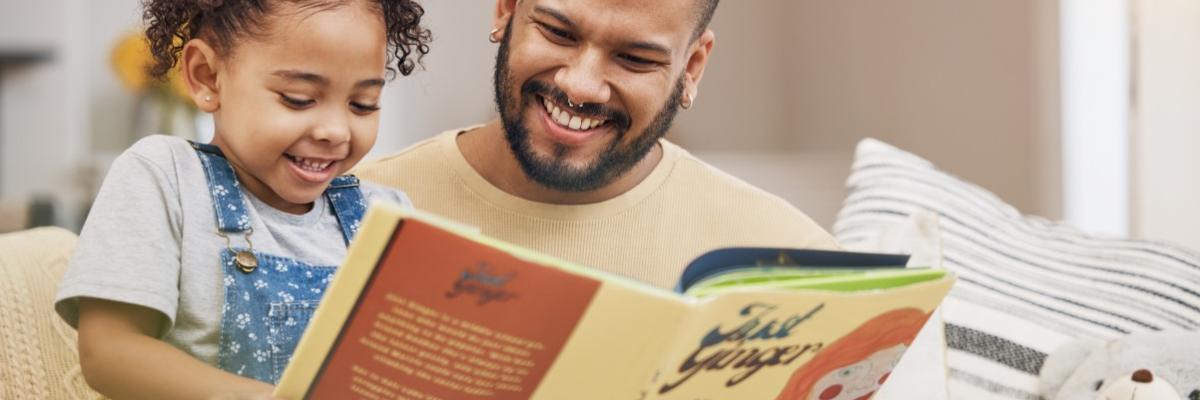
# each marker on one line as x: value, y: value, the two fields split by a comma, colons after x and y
x: 593, y: 110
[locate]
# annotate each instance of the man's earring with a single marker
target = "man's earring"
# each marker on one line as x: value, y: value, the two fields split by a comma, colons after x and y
x: 208, y: 99
x: 492, y: 36
x: 687, y: 101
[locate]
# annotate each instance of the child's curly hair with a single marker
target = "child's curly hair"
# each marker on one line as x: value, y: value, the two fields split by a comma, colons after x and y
x: 171, y: 23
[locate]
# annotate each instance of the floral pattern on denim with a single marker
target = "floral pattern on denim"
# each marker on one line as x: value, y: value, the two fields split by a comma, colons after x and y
x: 267, y: 309
x: 266, y: 312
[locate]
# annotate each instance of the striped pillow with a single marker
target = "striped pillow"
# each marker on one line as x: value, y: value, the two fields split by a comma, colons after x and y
x: 1026, y: 285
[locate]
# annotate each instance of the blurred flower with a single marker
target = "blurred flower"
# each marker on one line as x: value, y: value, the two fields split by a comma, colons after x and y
x: 131, y: 61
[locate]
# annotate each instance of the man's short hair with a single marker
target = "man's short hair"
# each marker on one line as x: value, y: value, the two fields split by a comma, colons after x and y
x: 704, y: 13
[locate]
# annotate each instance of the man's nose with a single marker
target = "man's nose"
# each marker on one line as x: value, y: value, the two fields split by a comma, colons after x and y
x: 583, y: 79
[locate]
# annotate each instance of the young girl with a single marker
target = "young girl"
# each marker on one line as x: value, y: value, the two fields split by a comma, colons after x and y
x: 200, y: 264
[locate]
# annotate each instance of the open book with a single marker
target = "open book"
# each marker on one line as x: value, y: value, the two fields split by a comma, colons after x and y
x: 425, y: 309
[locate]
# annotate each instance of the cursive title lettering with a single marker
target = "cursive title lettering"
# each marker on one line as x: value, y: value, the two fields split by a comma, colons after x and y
x: 483, y: 284
x: 748, y: 347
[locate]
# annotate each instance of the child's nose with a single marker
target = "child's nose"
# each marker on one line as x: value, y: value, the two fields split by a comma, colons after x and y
x: 334, y: 127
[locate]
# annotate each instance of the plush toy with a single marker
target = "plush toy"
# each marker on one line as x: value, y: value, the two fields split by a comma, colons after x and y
x: 1150, y: 366
x: 1140, y: 385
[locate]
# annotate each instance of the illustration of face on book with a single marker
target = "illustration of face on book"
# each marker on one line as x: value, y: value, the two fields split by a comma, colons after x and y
x: 855, y: 366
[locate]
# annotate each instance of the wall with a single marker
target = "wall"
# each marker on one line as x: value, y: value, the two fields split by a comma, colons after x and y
x: 111, y: 108
x: 1167, y: 125
x: 455, y: 88
x: 1096, y: 115
x: 44, y: 104
x: 969, y: 84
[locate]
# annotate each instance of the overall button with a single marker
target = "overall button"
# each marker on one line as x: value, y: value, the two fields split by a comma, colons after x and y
x: 246, y: 261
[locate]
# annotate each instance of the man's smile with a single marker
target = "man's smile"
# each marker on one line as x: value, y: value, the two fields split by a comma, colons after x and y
x: 570, y: 127
x: 567, y: 118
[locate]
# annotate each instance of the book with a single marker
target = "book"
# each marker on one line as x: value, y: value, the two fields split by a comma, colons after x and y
x: 424, y: 308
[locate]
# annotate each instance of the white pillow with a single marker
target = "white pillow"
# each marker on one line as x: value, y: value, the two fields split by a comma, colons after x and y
x: 1026, y: 285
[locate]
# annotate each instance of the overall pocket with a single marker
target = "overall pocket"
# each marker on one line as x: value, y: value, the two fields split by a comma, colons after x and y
x: 285, y: 326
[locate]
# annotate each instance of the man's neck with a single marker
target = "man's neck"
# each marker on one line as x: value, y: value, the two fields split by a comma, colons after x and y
x: 487, y: 151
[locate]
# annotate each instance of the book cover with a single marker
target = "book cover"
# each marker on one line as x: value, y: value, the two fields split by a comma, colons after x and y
x: 423, y: 309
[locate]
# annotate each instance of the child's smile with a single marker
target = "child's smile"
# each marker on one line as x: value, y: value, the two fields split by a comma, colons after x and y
x: 314, y: 170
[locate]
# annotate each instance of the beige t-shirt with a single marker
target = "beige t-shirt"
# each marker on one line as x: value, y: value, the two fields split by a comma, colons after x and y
x: 683, y: 209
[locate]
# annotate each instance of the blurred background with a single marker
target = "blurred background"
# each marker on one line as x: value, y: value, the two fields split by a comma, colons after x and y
x: 1079, y: 110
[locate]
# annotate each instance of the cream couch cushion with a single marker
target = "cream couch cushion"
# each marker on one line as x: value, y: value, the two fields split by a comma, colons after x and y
x: 38, y: 350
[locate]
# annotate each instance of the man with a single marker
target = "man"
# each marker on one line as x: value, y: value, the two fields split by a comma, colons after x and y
x: 576, y: 165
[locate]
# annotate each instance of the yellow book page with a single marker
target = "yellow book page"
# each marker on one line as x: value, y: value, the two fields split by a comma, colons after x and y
x: 794, y: 345
x: 617, y: 346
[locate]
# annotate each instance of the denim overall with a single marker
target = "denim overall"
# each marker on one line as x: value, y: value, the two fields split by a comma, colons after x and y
x: 268, y: 299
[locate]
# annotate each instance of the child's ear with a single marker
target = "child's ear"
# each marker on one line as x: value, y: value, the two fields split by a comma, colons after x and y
x: 199, y: 63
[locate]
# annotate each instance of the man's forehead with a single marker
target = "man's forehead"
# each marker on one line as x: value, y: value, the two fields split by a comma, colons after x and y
x: 664, y: 18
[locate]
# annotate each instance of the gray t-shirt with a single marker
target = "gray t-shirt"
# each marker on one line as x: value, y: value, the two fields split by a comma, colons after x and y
x: 151, y: 240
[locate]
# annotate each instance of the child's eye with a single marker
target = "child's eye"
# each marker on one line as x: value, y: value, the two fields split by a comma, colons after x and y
x: 364, y: 108
x: 296, y: 102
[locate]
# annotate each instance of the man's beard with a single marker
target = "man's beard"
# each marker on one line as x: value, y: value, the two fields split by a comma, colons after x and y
x: 554, y: 172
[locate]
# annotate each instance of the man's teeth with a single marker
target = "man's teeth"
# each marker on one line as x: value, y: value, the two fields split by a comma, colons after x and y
x: 310, y: 164
x: 568, y: 120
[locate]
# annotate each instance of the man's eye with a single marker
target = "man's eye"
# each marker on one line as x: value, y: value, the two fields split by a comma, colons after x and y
x: 638, y: 61
x: 558, y: 35
x: 296, y: 102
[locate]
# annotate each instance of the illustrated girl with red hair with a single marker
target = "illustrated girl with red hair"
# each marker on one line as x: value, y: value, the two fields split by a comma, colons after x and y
x: 855, y: 366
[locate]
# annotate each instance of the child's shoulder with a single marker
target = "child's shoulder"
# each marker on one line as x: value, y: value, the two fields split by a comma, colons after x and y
x: 155, y: 160
x: 373, y: 191
x: 160, y: 149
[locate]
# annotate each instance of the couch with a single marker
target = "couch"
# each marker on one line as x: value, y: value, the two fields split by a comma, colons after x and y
x: 38, y: 349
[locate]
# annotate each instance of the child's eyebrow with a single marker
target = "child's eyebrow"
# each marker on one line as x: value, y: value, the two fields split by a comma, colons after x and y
x: 293, y: 75
x: 366, y: 83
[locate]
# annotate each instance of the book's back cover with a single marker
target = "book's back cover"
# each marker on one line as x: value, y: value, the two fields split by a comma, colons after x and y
x: 444, y: 319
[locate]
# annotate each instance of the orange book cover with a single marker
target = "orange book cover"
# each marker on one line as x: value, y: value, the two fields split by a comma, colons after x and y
x: 446, y: 319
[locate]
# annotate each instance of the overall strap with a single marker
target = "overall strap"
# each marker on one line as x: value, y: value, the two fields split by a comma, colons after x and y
x: 228, y: 202
x: 346, y: 198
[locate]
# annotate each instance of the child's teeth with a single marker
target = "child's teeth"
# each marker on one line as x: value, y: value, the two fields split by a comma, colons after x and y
x: 312, y: 165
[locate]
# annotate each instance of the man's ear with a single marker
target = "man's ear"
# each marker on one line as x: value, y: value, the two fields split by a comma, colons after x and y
x: 504, y: 13
x: 200, y: 65
x: 697, y: 60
